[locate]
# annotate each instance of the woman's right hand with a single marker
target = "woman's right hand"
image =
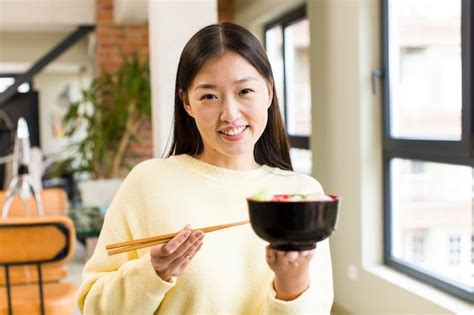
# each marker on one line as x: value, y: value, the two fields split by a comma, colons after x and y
x: 172, y: 258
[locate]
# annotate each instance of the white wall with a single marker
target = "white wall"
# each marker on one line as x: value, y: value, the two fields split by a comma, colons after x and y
x: 51, y: 108
x: 347, y: 157
x: 171, y: 25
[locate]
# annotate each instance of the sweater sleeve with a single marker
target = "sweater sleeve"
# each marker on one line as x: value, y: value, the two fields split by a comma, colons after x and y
x: 123, y: 283
x: 318, y: 298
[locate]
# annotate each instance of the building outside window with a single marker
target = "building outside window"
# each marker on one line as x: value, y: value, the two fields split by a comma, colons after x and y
x: 472, y: 254
x: 418, y: 248
x: 428, y: 62
x: 454, y: 250
x: 287, y: 43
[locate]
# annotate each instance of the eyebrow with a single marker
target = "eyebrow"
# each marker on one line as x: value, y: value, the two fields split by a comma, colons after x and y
x: 213, y: 86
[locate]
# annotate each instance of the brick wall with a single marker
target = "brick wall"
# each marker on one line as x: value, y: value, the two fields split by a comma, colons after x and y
x: 114, y: 42
x: 225, y: 10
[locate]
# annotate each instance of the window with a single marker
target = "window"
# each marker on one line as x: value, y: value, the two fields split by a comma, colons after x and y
x: 7, y: 126
x: 287, y: 43
x: 428, y: 62
x: 455, y: 250
x: 7, y: 80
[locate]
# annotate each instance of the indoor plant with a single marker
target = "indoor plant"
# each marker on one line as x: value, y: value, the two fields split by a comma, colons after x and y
x: 108, y: 117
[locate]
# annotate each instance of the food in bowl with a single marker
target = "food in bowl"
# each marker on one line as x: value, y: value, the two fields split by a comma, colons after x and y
x: 265, y: 196
x: 293, y: 221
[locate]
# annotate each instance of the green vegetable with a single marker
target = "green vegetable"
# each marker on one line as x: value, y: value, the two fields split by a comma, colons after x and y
x: 262, y: 195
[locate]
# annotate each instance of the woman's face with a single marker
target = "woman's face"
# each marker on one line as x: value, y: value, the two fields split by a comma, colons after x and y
x: 229, y: 100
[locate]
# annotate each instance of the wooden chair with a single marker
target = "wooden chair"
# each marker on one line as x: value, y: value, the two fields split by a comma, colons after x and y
x: 55, y: 202
x: 36, y: 241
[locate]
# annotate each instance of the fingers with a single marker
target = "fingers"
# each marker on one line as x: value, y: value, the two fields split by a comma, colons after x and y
x: 182, y: 261
x: 291, y: 256
x: 271, y: 254
x: 184, y: 249
x: 173, y: 257
x: 291, y: 270
x: 276, y: 256
x: 170, y: 247
x: 174, y: 265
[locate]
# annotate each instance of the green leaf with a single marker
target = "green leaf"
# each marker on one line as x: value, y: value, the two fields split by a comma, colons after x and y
x: 103, y: 112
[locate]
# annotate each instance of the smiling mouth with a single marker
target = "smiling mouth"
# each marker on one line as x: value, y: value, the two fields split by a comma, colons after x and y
x: 234, y: 132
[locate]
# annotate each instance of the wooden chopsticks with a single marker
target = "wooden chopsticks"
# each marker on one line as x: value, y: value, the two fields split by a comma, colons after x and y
x: 127, y: 246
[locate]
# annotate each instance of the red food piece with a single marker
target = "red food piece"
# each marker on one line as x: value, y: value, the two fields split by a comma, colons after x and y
x: 283, y: 197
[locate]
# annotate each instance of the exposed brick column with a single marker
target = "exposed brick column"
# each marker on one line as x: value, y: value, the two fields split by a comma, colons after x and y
x: 225, y: 10
x: 113, y: 43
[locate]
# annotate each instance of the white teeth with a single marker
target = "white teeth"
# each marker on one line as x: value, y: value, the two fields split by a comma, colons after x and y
x: 234, y: 132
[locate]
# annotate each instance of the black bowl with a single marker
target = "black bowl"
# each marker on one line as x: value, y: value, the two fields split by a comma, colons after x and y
x: 293, y: 225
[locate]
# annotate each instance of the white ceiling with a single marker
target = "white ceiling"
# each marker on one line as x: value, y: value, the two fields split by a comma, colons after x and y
x: 136, y: 11
x: 45, y: 15
x: 66, y: 15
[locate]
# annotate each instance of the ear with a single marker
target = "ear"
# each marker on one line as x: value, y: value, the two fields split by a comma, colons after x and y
x: 270, y: 93
x: 185, y: 100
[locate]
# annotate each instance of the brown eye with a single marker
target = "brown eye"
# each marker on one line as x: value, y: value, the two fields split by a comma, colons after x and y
x: 208, y: 97
x: 246, y: 91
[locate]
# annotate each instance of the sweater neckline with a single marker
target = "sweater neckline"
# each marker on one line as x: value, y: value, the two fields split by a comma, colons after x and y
x: 220, y: 174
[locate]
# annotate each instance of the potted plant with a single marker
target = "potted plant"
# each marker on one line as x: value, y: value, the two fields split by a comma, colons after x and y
x: 106, y: 119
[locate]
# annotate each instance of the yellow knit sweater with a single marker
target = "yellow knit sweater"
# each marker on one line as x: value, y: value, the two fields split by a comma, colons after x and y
x: 229, y: 275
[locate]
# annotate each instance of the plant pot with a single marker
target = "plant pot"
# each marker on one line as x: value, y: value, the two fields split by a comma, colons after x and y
x: 99, y: 192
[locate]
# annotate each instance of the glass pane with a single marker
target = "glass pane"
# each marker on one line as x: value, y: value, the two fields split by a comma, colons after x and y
x: 298, y: 89
x: 5, y: 82
x: 425, y: 69
x: 302, y: 160
x: 432, y: 219
x: 274, y: 46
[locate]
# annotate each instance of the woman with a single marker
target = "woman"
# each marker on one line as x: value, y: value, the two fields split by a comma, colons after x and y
x: 229, y: 143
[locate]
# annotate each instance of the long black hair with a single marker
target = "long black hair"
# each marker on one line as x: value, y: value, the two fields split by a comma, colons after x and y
x: 272, y: 148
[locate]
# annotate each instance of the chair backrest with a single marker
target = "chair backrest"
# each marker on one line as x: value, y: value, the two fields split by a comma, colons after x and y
x: 36, y: 239
x: 54, y: 203
x: 54, y: 200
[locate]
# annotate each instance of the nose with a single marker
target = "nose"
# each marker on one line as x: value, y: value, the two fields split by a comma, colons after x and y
x: 230, y: 109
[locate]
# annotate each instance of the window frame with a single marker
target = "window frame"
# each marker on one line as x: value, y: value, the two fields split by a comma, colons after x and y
x: 15, y: 75
x: 449, y: 152
x: 288, y: 19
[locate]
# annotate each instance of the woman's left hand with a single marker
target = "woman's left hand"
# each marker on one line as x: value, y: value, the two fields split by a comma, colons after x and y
x: 291, y: 272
